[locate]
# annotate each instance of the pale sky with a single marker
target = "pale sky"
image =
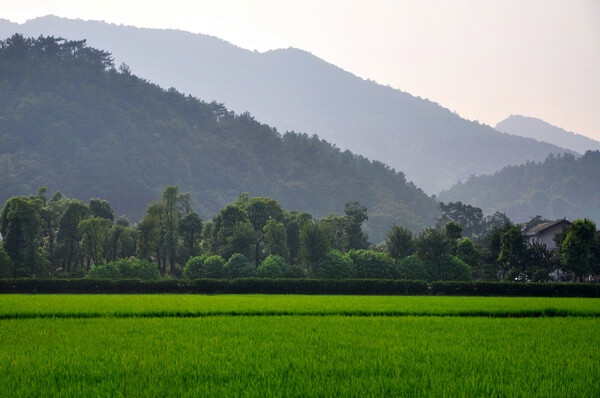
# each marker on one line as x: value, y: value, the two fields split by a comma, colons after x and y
x: 482, y: 59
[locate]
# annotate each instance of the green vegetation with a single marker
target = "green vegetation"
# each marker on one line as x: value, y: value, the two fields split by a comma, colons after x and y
x: 199, y: 305
x: 71, y: 121
x: 561, y: 186
x: 307, y: 356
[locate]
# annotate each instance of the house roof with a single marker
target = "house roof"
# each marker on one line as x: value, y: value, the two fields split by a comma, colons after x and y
x: 544, y: 226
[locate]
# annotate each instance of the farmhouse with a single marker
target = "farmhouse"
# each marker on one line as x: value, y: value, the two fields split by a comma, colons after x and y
x: 544, y: 232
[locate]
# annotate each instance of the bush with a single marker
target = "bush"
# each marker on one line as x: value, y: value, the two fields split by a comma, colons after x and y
x: 271, y: 267
x: 204, y: 267
x: 238, y: 266
x: 6, y: 268
x: 335, y: 265
x: 515, y: 289
x: 411, y: 268
x: 448, y: 268
x: 125, y: 268
x: 372, y: 264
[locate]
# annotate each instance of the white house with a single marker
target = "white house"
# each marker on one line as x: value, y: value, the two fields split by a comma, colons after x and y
x: 544, y: 232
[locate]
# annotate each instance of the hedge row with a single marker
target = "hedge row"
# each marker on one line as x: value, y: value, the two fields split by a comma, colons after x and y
x: 301, y: 286
x: 216, y: 286
x: 515, y: 289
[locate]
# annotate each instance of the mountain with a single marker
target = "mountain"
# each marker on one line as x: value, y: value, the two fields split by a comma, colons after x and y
x: 291, y: 89
x: 561, y: 186
x: 72, y: 122
x: 542, y: 131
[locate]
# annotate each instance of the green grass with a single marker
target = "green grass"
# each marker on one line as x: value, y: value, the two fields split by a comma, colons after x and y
x: 300, y: 356
x: 241, y: 345
x: 31, y: 306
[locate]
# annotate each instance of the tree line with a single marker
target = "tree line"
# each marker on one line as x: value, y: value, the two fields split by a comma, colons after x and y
x: 255, y: 237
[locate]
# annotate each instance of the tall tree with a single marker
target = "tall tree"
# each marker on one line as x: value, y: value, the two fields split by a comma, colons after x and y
x: 102, y: 209
x: 171, y: 221
x: 356, y: 214
x: 21, y: 227
x: 578, y: 248
x: 275, y: 236
x: 190, y: 229
x: 92, y: 231
x: 399, y: 242
x: 68, y: 235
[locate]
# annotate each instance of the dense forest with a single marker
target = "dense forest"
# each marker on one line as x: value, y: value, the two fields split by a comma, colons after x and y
x: 71, y: 121
x: 291, y: 89
x: 59, y: 237
x: 560, y: 187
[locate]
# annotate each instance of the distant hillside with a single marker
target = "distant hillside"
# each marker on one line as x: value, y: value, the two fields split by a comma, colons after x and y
x: 542, y: 131
x: 294, y: 90
x: 562, y: 186
x: 71, y: 122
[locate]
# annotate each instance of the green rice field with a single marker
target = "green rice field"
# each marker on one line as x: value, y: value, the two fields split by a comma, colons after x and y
x: 255, y: 345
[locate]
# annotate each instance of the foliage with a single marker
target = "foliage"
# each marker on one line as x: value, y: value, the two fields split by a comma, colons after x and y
x: 335, y: 265
x: 6, y: 266
x: 578, y: 248
x: 71, y: 121
x: 400, y: 242
x: 372, y: 264
x: 411, y: 268
x: 271, y: 267
x: 204, y: 267
x: 126, y: 268
x: 238, y: 266
x: 314, y: 243
x: 559, y: 187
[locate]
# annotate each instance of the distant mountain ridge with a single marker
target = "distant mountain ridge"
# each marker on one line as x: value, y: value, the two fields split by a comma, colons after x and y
x: 294, y: 90
x: 72, y: 122
x: 543, y: 131
x: 559, y: 187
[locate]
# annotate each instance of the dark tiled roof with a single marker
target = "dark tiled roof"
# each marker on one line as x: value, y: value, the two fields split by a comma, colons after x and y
x: 544, y: 226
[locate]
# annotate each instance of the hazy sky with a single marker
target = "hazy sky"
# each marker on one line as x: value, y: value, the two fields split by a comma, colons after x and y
x: 483, y: 59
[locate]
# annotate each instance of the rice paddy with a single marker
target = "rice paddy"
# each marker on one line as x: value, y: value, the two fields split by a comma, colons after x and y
x: 112, y: 345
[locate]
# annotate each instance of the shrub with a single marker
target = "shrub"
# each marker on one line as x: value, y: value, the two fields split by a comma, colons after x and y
x: 193, y: 267
x: 335, y: 265
x: 204, y: 267
x: 372, y: 264
x: 6, y: 268
x: 125, y: 268
x: 238, y: 266
x: 271, y: 267
x: 411, y: 268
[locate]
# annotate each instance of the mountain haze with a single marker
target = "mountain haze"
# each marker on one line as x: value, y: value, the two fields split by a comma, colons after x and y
x: 561, y: 186
x: 72, y: 122
x: 543, y: 131
x: 293, y: 90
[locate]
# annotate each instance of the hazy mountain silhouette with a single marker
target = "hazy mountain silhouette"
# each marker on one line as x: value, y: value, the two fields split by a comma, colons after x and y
x: 71, y: 122
x: 561, y: 186
x: 543, y: 131
x: 294, y: 90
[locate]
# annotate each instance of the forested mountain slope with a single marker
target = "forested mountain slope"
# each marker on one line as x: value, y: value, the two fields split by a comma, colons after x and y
x: 293, y: 90
x: 544, y: 131
x: 72, y: 122
x: 559, y: 187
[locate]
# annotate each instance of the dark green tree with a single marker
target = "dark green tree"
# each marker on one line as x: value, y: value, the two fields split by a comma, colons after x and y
x: 170, y: 225
x: 21, y: 227
x: 190, y: 229
x: 314, y: 244
x: 275, y: 238
x: 399, y: 242
x: 102, y: 209
x: 578, y: 248
x: 356, y: 214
